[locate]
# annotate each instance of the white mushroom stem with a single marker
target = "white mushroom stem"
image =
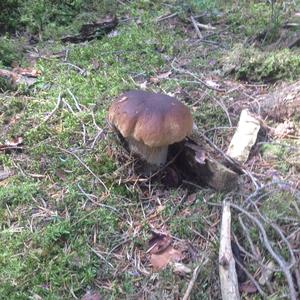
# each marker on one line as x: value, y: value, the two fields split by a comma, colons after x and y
x: 153, y: 155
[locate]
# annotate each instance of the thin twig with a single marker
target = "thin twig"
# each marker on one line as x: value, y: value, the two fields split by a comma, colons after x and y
x: 81, y: 71
x: 58, y: 104
x: 86, y: 166
x: 252, y: 279
x: 90, y: 197
x: 279, y: 259
x: 196, y: 28
x: 193, y: 280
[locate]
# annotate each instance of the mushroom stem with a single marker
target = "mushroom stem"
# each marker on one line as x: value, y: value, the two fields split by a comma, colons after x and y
x: 153, y: 155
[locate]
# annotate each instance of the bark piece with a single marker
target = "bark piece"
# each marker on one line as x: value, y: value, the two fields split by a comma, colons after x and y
x: 244, y: 137
x: 205, y: 170
x: 93, y: 30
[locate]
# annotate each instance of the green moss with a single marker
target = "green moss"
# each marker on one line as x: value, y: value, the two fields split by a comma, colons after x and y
x: 20, y: 190
x: 254, y: 65
x: 10, y: 51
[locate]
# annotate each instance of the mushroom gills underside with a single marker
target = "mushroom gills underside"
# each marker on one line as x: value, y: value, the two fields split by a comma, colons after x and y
x: 153, y: 155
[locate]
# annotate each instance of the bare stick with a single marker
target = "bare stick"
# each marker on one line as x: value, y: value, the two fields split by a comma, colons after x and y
x: 228, y: 277
x: 86, y: 166
x: 196, y: 28
x: 205, y: 26
x: 58, y: 103
x: 165, y: 17
x: 192, y: 281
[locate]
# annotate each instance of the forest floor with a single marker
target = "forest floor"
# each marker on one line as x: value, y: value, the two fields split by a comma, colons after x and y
x: 75, y: 218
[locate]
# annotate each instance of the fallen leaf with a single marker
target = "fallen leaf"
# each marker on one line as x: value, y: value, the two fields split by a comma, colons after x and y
x: 284, y: 129
x: 191, y: 198
x: 28, y: 72
x: 158, y: 78
x: 17, y: 141
x: 212, y: 84
x: 11, y: 144
x: 267, y: 273
x: 91, y: 295
x: 181, y: 269
x: 158, y: 243
x: 200, y: 157
x: 247, y: 287
x: 161, y: 260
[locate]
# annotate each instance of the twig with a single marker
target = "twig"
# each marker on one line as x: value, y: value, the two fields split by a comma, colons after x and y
x: 90, y: 197
x: 74, y: 99
x: 165, y: 17
x: 81, y: 71
x: 196, y: 28
x: 199, y: 80
x: 86, y: 166
x: 102, y: 257
x: 205, y: 26
x: 252, y: 279
x: 58, y: 104
x: 228, y: 277
x: 193, y: 280
x: 281, y: 262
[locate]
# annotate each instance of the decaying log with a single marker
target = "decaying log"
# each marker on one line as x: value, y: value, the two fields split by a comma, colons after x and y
x: 93, y: 30
x: 281, y: 104
x: 197, y: 164
x: 227, y: 272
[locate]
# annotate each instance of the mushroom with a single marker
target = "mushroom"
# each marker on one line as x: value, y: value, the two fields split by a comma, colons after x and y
x: 150, y: 122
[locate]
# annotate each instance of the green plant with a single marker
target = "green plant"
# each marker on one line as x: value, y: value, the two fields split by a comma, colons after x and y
x: 9, y: 51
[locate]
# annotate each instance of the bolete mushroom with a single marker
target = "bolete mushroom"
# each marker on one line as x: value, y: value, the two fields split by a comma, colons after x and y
x: 150, y: 122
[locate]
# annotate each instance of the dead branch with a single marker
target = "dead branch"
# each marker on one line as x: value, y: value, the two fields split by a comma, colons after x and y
x: 86, y: 167
x: 285, y: 267
x: 228, y: 277
x: 196, y: 28
x: 205, y: 26
x: 193, y: 280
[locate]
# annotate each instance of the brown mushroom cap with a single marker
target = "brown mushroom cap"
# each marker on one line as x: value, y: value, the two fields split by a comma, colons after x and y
x: 154, y: 119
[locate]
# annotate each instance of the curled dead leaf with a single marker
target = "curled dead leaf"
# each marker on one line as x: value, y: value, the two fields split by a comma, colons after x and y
x: 181, y: 269
x: 158, y: 243
x: 248, y: 287
x: 159, y: 77
x: 161, y: 260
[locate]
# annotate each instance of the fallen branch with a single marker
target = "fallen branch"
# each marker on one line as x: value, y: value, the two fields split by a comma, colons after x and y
x: 192, y: 281
x: 285, y: 266
x: 228, y: 277
x: 205, y: 26
x: 196, y: 28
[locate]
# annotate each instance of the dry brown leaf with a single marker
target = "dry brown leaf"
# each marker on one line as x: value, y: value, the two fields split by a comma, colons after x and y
x: 191, y: 198
x: 158, y: 243
x: 10, y: 144
x: 181, y: 269
x: 159, y: 77
x: 161, y: 260
x: 284, y: 129
x: 28, y: 72
x: 247, y: 287
x: 91, y: 295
